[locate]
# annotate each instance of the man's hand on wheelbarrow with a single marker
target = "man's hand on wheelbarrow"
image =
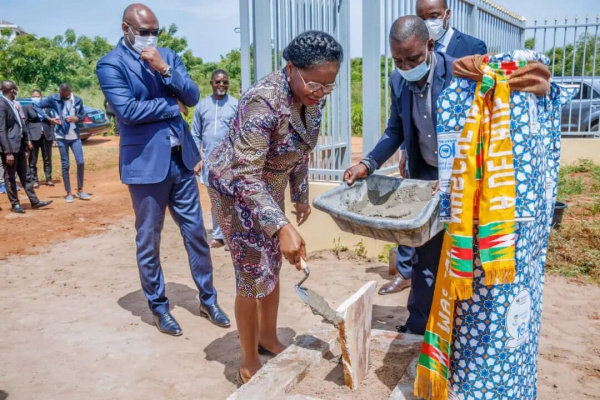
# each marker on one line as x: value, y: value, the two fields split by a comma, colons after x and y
x: 356, y: 172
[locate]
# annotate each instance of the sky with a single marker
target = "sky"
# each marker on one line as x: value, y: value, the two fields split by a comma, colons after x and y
x: 209, y: 25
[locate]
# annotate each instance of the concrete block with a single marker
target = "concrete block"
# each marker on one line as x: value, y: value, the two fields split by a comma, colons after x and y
x: 283, y: 372
x: 355, y: 333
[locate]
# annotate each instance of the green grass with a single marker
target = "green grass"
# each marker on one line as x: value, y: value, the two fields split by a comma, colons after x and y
x: 574, y: 250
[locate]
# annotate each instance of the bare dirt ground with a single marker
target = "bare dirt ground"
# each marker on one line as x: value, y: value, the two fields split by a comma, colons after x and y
x: 75, y: 324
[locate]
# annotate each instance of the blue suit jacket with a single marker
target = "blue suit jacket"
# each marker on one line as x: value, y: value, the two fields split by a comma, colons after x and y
x: 55, y: 103
x: 145, y: 104
x: 462, y: 45
x: 400, y: 127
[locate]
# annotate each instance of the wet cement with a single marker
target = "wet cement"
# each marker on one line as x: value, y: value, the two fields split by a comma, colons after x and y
x: 405, y: 203
x: 320, y: 306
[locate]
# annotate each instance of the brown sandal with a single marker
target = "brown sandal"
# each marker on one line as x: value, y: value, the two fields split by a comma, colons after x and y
x: 240, y: 379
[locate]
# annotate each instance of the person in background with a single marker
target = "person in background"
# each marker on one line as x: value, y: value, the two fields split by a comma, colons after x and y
x: 110, y: 113
x: 212, y: 120
x: 41, y: 135
x: 268, y: 146
x: 14, y: 142
x: 150, y: 90
x: 456, y: 44
x: 69, y: 111
x: 448, y: 40
x: 420, y: 77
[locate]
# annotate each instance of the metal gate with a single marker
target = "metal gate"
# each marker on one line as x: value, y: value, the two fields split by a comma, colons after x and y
x: 572, y: 48
x: 270, y: 25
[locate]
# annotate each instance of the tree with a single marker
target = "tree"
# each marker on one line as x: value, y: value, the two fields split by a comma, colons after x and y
x: 570, y: 59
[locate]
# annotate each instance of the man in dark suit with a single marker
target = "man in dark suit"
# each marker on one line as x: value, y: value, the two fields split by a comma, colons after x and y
x: 456, y: 44
x: 41, y: 135
x: 149, y: 89
x: 421, y: 75
x: 449, y: 40
x: 14, y: 142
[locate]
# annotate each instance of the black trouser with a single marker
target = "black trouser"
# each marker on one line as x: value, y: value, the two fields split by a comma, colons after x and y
x: 21, y: 169
x: 46, y: 147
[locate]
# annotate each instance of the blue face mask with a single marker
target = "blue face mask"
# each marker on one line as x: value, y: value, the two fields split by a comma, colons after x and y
x: 35, y: 100
x: 418, y: 72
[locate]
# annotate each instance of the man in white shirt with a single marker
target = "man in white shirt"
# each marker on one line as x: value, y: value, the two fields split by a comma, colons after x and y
x: 212, y: 119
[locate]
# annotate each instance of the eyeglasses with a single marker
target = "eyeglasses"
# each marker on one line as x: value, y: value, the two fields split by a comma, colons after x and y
x: 315, y: 86
x: 146, y: 32
x: 224, y: 82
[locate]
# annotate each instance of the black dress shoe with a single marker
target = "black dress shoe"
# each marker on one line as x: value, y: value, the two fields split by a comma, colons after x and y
x: 41, y: 204
x: 166, y: 323
x: 215, y: 315
x: 17, y: 209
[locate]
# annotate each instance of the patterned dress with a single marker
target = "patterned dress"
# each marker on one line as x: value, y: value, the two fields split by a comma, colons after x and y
x: 496, y: 332
x: 268, y: 146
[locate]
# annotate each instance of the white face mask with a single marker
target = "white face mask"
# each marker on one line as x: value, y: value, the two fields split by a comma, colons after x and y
x: 141, y: 42
x: 418, y: 72
x: 436, y: 28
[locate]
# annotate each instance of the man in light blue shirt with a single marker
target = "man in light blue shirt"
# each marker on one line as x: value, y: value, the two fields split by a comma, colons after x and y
x: 212, y: 119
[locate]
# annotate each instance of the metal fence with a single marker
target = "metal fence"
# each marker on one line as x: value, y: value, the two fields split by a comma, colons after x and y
x: 572, y: 47
x: 270, y: 25
x: 501, y: 29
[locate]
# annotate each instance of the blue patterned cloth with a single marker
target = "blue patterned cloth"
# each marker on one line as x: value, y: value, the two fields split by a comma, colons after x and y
x: 496, y: 332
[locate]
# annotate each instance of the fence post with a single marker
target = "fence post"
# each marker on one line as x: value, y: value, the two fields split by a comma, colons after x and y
x: 345, y: 93
x: 474, y: 19
x: 263, y: 64
x: 245, y: 43
x: 371, y: 80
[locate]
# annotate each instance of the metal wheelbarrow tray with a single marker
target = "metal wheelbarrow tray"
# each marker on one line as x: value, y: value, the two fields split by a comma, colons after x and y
x: 415, y: 231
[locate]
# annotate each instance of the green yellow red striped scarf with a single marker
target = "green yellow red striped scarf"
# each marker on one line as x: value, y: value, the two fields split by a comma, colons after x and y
x: 483, y: 189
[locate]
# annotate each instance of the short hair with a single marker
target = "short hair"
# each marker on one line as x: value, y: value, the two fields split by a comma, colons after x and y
x: 36, y: 91
x: 217, y: 72
x: 444, y: 3
x: 7, y: 85
x: 64, y: 87
x: 312, y: 48
x: 408, y: 26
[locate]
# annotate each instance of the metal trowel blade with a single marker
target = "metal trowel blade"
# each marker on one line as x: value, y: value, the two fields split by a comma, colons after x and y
x: 316, y: 302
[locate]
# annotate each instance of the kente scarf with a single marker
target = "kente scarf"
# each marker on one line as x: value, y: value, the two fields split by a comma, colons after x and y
x: 483, y: 189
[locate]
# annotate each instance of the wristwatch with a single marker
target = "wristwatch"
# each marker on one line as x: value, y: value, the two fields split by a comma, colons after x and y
x: 168, y: 72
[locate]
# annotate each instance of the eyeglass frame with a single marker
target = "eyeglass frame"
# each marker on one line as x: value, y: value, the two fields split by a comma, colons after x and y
x: 221, y: 81
x: 321, y: 86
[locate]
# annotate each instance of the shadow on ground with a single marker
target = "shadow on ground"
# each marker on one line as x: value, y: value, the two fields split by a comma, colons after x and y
x: 179, y: 295
x: 226, y: 350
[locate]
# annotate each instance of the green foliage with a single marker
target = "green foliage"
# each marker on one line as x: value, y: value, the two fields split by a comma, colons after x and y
x: 530, y: 44
x: 360, y: 250
x: 384, y: 256
x: 572, y: 58
x: 338, y: 247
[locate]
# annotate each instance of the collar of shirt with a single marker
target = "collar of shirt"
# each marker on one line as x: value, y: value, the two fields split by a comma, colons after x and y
x: 444, y: 41
x: 413, y: 85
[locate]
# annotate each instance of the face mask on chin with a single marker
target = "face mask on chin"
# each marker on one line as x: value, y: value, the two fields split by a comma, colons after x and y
x: 221, y: 92
x: 141, y: 42
x: 418, y: 72
x: 436, y: 28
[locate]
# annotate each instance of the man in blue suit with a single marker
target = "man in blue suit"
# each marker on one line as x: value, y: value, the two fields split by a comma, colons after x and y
x: 449, y: 40
x: 421, y: 75
x: 456, y: 44
x: 149, y: 88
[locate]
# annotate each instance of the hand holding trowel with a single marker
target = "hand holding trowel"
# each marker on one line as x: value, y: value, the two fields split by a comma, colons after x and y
x: 317, y: 304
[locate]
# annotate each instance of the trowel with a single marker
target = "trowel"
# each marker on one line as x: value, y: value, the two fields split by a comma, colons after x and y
x: 316, y: 302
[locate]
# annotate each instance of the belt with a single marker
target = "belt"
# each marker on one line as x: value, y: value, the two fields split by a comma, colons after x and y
x: 176, y: 149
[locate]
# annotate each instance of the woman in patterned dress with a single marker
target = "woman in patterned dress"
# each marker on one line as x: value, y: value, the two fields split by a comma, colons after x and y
x: 275, y: 129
